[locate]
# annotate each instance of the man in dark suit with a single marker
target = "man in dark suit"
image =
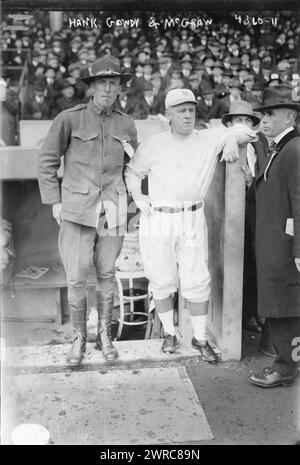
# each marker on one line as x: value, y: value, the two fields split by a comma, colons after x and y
x: 94, y: 139
x: 37, y: 106
x: 256, y: 70
x: 149, y: 104
x: 278, y: 234
x: 66, y: 100
x: 235, y: 89
x: 127, y: 101
x: 209, y: 106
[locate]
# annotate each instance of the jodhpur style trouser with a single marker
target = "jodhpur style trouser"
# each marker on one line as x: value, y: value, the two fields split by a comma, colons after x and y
x: 81, y: 245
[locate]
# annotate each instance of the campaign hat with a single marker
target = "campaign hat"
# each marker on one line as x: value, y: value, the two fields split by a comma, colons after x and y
x: 106, y: 66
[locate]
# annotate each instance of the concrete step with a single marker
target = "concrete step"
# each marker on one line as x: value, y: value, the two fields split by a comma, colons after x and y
x: 131, y: 354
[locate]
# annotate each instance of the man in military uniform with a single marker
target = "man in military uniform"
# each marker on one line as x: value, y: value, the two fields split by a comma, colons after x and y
x: 94, y: 139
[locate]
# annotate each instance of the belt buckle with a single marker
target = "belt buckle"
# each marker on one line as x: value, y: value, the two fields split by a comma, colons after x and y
x: 187, y: 208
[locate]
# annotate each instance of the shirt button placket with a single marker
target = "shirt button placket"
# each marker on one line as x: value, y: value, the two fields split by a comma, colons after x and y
x: 102, y: 150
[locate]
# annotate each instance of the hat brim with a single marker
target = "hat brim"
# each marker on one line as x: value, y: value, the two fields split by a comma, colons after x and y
x: 293, y: 106
x: 124, y: 77
x: 227, y: 117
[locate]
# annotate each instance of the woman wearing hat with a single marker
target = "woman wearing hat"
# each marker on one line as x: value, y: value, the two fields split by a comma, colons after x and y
x: 91, y: 207
x: 277, y: 235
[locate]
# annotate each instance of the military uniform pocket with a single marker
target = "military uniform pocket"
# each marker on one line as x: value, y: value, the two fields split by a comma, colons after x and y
x: 76, y: 188
x: 83, y: 136
x: 83, y: 147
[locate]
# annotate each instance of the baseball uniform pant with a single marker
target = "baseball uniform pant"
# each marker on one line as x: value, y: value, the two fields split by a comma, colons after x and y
x: 174, y: 251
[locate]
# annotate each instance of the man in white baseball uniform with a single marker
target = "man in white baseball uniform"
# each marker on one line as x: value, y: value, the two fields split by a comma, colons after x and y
x: 180, y: 164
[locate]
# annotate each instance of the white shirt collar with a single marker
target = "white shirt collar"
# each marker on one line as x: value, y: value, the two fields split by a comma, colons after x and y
x: 149, y: 100
x: 282, y: 134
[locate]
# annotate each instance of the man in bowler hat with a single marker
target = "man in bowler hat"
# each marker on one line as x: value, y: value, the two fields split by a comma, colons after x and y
x: 94, y: 138
x: 278, y: 233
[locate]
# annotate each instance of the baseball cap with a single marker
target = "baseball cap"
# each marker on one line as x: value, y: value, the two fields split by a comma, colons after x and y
x: 177, y: 96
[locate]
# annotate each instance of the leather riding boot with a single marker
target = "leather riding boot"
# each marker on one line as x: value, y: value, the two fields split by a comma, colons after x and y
x: 105, y: 305
x: 78, y: 319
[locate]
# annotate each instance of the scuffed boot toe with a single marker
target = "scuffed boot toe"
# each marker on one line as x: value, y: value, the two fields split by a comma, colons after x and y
x: 76, y: 353
x: 104, y: 344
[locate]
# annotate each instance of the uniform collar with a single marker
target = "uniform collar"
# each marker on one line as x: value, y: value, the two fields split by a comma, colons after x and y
x: 98, y: 110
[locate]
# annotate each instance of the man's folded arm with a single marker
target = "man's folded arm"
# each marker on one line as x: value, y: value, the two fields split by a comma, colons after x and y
x: 227, y: 140
x: 240, y: 134
x: 243, y: 134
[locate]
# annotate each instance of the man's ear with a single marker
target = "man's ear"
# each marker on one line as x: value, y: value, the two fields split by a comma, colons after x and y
x: 229, y: 124
x: 167, y: 115
x: 92, y: 88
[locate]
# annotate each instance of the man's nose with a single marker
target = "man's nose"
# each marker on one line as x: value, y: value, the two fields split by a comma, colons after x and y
x: 107, y: 86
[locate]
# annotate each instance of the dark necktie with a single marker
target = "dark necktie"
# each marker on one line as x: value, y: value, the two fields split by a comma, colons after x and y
x: 271, y: 149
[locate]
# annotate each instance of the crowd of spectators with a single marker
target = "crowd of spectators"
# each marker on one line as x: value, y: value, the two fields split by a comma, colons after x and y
x: 220, y: 62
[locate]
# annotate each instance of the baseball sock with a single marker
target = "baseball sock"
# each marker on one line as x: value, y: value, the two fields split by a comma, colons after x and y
x: 199, y: 326
x: 166, y: 319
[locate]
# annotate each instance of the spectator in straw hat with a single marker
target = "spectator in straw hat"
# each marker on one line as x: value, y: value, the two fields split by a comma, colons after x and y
x: 274, y: 80
x: 91, y: 207
x: 277, y: 233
